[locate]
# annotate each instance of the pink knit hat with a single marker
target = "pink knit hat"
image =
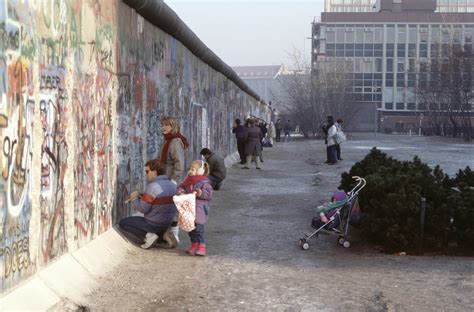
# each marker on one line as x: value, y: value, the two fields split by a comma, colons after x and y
x: 338, y: 196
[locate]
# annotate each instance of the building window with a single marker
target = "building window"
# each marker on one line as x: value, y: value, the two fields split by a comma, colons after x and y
x: 389, y: 80
x: 400, y: 80
x: 423, y: 50
x: 368, y: 66
x: 401, y: 50
x: 401, y: 65
x: 400, y: 106
x: 390, y: 33
x: 411, y: 106
x: 378, y: 65
x: 401, y: 33
x: 388, y: 105
x: 390, y: 50
x: 412, y: 49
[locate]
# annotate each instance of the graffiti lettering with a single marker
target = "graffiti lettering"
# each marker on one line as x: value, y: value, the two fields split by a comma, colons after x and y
x: 50, y: 82
x: 10, y: 37
x: 16, y: 256
x: 158, y: 52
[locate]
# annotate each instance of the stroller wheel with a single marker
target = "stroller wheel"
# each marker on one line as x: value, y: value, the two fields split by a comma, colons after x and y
x: 340, y: 240
x: 305, y: 246
x: 346, y: 244
x: 301, y: 242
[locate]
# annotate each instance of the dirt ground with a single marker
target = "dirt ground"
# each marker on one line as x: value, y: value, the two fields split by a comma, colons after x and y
x: 254, y: 262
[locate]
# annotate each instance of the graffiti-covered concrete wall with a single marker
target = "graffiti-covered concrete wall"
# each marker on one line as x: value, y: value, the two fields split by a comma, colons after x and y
x: 83, y: 85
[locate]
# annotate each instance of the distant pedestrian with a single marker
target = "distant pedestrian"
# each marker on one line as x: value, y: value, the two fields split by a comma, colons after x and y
x: 271, y: 132
x: 239, y: 131
x: 287, y: 130
x: 217, y: 169
x: 338, y: 145
x: 263, y: 128
x: 278, y: 127
x: 198, y: 183
x: 253, y: 145
x: 332, y: 144
x: 329, y: 122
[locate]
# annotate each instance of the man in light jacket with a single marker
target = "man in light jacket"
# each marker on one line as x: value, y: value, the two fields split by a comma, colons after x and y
x: 332, y: 144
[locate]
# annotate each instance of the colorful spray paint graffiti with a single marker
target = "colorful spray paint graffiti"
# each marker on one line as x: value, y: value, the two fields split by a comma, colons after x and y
x: 54, y: 153
x: 95, y: 89
x: 16, y: 130
x: 85, y: 217
x: 104, y: 148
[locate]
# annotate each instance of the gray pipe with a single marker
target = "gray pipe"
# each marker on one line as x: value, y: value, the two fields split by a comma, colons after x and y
x: 162, y: 16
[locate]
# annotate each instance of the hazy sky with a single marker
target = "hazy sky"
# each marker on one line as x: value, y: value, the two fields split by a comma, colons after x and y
x: 249, y: 32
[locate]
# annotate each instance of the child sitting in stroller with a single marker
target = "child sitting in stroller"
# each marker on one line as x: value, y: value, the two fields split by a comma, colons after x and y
x: 326, y: 211
x: 333, y: 218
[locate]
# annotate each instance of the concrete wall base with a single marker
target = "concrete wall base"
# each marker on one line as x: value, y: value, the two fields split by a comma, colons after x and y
x: 72, y: 276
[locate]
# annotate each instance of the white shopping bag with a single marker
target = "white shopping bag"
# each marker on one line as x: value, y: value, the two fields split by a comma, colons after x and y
x: 186, y: 205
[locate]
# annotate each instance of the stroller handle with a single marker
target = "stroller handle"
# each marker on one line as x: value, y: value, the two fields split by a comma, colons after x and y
x: 360, y: 184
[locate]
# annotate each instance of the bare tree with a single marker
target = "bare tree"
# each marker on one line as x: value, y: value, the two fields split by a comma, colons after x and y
x: 333, y: 93
x: 310, y: 98
x: 445, y: 91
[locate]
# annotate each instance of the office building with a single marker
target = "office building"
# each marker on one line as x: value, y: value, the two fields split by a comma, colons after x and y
x: 453, y: 6
x: 383, y: 52
x: 348, y: 5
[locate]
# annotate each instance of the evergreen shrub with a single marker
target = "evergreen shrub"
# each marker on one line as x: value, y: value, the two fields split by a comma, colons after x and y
x: 391, y: 203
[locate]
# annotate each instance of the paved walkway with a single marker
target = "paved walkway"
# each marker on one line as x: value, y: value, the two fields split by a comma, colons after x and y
x: 255, y: 263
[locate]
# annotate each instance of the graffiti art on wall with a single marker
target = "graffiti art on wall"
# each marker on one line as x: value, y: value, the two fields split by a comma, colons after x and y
x: 83, y: 108
x: 122, y: 143
x: 16, y: 128
x: 95, y: 90
x: 54, y: 153
x: 104, y: 148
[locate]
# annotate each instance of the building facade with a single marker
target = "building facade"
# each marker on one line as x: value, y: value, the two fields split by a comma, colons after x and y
x: 340, y: 6
x: 348, y: 5
x: 383, y: 53
x: 455, y: 6
x: 265, y: 81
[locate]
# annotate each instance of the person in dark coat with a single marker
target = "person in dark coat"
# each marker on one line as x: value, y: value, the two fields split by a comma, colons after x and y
x: 253, y: 146
x: 329, y: 122
x: 239, y: 131
x: 278, y: 127
x: 217, y: 169
x: 287, y: 130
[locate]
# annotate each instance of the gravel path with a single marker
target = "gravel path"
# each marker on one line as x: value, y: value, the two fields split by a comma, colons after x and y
x: 255, y: 264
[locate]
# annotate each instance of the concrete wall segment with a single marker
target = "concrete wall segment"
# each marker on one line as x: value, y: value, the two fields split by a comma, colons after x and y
x: 83, y: 85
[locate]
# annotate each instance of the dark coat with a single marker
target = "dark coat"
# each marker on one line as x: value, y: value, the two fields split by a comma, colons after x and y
x: 253, y: 145
x: 216, y: 166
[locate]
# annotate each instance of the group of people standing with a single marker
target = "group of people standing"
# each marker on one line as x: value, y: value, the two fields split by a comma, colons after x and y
x: 333, y: 137
x: 165, y: 179
x: 279, y: 126
x: 251, y: 137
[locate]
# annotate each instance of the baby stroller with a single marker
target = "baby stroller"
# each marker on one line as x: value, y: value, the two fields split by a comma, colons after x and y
x: 333, y: 218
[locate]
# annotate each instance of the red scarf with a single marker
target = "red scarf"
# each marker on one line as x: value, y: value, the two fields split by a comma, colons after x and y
x: 192, y: 180
x: 168, y: 137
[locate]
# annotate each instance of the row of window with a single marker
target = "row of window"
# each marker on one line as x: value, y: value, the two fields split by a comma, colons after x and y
x: 400, y: 105
x: 402, y: 34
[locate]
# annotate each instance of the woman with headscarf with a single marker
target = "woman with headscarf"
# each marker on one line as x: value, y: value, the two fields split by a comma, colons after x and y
x: 172, y: 150
x: 172, y: 157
